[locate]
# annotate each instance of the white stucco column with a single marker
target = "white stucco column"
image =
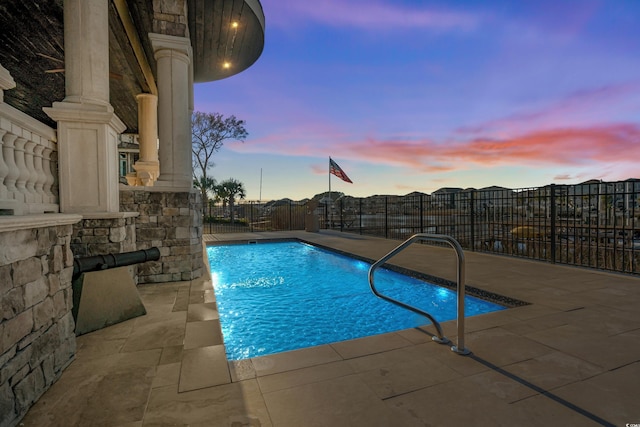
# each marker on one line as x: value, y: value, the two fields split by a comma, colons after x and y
x: 148, y: 126
x: 173, y: 56
x: 86, y: 43
x: 147, y: 168
x: 88, y: 128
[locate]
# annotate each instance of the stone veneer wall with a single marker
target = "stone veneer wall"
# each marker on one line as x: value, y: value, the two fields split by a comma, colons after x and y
x: 101, y: 234
x: 37, y: 338
x: 171, y: 221
x: 106, y: 233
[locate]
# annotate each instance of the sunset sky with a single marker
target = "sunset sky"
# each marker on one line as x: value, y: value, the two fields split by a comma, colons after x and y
x: 415, y: 95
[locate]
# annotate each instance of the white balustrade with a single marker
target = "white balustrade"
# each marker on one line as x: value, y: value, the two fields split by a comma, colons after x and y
x: 28, y: 165
x: 4, y: 169
x: 10, y: 160
x: 32, y: 175
x: 40, y: 176
x: 49, y: 173
x: 21, y: 181
x: 28, y: 160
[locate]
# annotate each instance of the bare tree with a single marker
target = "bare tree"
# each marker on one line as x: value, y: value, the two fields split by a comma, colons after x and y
x: 208, y: 133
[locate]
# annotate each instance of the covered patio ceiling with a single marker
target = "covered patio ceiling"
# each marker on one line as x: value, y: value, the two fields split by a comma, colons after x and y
x: 227, y: 37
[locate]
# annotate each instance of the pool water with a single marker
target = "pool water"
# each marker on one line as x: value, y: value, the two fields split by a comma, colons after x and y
x: 275, y: 297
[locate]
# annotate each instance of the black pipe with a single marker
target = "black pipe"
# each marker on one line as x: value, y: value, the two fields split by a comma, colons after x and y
x: 104, y: 262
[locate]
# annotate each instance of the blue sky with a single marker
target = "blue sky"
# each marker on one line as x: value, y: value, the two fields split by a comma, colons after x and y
x: 418, y: 95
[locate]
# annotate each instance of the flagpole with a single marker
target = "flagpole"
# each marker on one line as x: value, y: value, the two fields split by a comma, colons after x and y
x: 329, y: 206
x: 260, y: 200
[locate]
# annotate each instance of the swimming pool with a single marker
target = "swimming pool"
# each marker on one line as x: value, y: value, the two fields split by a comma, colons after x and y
x: 275, y: 297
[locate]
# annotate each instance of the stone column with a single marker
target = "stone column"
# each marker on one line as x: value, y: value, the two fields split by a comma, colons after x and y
x: 88, y: 128
x: 86, y: 50
x: 147, y: 168
x: 191, y: 93
x: 173, y: 56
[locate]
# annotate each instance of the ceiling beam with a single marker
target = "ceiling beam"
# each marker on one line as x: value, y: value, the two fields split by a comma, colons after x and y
x: 136, y: 45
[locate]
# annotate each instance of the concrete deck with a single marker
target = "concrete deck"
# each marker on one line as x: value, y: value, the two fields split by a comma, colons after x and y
x: 571, y: 358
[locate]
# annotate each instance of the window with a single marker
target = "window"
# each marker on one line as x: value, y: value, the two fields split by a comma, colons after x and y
x: 123, y: 164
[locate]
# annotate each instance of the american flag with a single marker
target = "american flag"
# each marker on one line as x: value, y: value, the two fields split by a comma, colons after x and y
x: 337, y: 171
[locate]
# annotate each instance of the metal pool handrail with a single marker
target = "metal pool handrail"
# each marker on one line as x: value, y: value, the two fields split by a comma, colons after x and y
x: 440, y: 338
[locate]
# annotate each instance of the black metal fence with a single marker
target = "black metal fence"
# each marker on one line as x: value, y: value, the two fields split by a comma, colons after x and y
x: 248, y: 216
x: 594, y: 224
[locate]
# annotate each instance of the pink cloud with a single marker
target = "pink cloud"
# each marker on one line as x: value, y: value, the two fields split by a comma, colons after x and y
x: 318, y: 169
x: 569, y: 147
x: 408, y: 188
x: 373, y: 15
x: 563, y: 177
x: 563, y: 146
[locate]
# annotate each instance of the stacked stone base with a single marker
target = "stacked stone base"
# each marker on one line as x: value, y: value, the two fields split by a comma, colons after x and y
x: 37, y: 331
x: 105, y: 233
x: 171, y: 221
x: 37, y: 339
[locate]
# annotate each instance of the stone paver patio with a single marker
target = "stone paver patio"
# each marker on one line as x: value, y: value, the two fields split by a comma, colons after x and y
x: 571, y: 358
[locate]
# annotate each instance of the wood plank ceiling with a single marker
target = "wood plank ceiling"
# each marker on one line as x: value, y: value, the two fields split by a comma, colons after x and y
x: 32, y: 50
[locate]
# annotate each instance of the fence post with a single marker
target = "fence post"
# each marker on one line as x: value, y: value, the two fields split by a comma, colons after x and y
x: 421, y: 210
x: 204, y: 216
x: 553, y: 223
x: 341, y: 214
x: 360, y: 216
x: 251, y: 216
x: 472, y: 219
x: 204, y: 210
x: 326, y: 215
x: 290, y: 217
x: 386, y: 217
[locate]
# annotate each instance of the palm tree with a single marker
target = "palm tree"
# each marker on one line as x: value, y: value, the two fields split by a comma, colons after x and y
x: 207, y: 186
x: 228, y: 190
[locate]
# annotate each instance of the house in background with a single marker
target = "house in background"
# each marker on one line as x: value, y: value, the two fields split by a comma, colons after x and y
x: 74, y: 76
x: 445, y: 197
x: 128, y: 156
